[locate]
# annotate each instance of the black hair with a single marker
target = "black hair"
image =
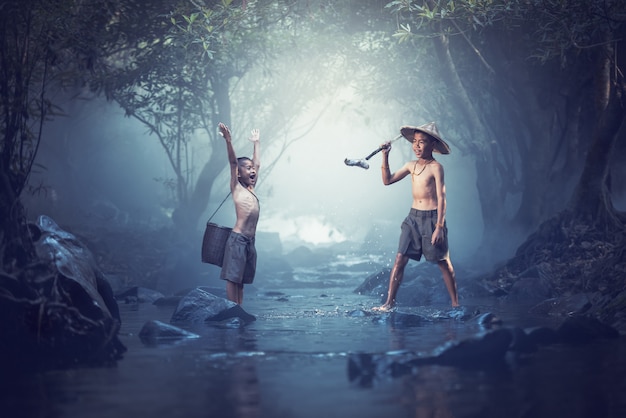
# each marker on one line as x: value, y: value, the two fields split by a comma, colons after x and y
x: 430, y: 137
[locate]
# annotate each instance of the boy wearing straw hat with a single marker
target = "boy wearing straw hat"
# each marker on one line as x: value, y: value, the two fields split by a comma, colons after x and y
x: 424, y: 230
x: 239, y: 265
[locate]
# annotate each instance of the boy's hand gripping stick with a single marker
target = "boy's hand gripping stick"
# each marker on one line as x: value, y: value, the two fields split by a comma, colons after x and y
x: 363, y: 162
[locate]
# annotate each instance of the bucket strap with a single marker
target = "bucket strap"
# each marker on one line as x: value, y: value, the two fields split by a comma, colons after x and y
x: 218, y: 208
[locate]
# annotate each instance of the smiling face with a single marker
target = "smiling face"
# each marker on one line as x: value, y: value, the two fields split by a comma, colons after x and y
x: 422, y: 145
x: 247, y: 172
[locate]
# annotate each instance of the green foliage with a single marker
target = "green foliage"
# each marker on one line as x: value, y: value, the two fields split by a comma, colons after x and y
x: 44, y: 47
x: 554, y: 27
x: 519, y: 73
x: 178, y: 76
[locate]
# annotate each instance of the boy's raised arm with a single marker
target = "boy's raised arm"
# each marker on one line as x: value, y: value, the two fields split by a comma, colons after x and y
x: 232, y: 157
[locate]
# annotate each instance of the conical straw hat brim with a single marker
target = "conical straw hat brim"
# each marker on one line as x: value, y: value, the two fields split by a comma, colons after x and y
x: 430, y: 129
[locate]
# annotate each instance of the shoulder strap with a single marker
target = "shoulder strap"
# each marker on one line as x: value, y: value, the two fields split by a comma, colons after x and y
x: 218, y: 208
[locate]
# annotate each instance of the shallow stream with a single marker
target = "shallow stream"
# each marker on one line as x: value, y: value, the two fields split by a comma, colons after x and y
x: 293, y: 362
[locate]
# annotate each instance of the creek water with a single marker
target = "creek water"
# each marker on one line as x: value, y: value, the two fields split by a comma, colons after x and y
x: 293, y: 362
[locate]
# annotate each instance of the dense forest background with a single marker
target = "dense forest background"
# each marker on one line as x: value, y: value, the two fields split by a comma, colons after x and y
x: 109, y: 112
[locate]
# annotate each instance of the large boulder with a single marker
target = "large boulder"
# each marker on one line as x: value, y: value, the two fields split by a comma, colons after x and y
x: 60, y: 310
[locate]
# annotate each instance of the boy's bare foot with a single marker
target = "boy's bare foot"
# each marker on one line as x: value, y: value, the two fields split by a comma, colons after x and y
x: 384, y: 308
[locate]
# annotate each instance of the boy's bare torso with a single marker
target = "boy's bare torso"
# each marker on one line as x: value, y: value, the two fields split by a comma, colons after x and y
x: 247, y: 210
x: 424, y: 185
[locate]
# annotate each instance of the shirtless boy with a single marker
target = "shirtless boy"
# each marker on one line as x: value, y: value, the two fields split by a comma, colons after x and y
x: 239, y: 264
x: 424, y: 231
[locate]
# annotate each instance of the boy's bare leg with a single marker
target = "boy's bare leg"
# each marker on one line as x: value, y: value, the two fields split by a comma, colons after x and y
x: 234, y: 292
x: 395, y: 279
x: 447, y: 271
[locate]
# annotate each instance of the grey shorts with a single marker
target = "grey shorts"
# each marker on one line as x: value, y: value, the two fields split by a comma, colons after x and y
x: 417, y: 230
x: 239, y: 264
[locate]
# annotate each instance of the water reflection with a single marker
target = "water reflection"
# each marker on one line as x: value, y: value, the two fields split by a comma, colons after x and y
x: 403, y: 337
x: 244, y: 394
x: 235, y: 390
x: 426, y: 393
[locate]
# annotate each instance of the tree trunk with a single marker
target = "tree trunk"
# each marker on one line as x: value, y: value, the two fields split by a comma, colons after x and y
x: 534, y: 106
x: 489, y: 177
x: 16, y: 247
x: 187, y: 218
x: 591, y: 201
x: 199, y: 199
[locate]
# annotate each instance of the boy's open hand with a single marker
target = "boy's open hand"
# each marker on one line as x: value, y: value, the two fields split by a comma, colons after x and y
x: 437, y: 237
x: 256, y: 135
x: 224, y: 131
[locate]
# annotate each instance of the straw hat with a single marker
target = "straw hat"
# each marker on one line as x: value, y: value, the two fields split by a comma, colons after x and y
x: 429, y: 129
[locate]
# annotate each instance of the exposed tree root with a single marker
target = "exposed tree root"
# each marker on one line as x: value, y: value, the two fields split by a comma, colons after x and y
x: 575, y: 256
x: 582, y: 256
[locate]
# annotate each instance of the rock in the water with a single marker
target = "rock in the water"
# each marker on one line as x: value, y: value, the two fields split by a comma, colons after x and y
x: 474, y: 352
x: 359, y: 313
x: 488, y: 320
x: 405, y: 319
x: 138, y: 294
x: 542, y: 335
x: 582, y: 329
x: 522, y: 343
x: 201, y: 306
x: 155, y: 331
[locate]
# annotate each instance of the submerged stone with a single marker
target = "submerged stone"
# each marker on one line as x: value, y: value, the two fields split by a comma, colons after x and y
x: 137, y: 294
x: 582, y: 329
x: 522, y: 343
x: 542, y: 335
x: 406, y: 319
x: 155, y: 331
x: 359, y: 313
x: 490, y: 347
x: 488, y: 320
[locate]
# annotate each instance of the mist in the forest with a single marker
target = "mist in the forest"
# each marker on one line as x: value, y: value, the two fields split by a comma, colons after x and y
x: 97, y: 166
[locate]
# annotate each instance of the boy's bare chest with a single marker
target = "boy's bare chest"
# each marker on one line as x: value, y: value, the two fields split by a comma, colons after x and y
x: 423, y: 184
x: 246, y: 200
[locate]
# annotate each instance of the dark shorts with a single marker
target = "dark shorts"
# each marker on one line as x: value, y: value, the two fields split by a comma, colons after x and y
x: 239, y: 264
x: 417, y: 231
